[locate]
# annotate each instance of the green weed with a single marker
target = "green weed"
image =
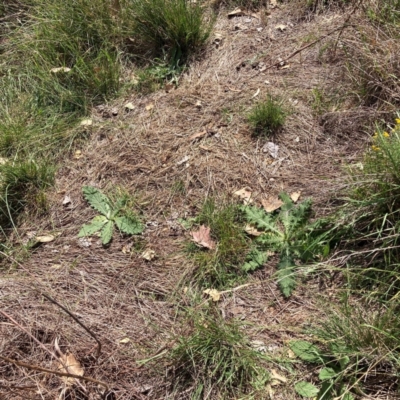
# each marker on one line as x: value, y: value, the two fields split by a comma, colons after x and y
x: 291, y: 235
x: 110, y: 213
x: 266, y: 117
x: 220, y: 267
x: 170, y: 28
x: 216, y: 357
x: 22, y: 185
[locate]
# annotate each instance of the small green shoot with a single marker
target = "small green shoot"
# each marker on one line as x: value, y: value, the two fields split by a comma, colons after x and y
x: 267, y: 117
x: 110, y: 215
x: 215, y: 356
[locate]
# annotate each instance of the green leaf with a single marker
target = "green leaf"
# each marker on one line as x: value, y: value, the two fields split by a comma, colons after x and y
x: 306, y: 389
x: 255, y: 259
x: 258, y: 217
x: 95, y: 226
x: 128, y: 225
x: 286, y: 274
x: 327, y: 373
x: 348, y: 396
x: 107, y: 232
x: 306, y: 351
x: 97, y: 200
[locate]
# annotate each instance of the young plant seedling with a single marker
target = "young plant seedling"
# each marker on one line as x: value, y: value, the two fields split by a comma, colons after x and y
x: 288, y: 233
x: 110, y: 214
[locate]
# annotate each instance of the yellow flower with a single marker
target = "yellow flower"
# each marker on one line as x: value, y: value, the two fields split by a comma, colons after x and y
x: 385, y: 134
x: 397, y: 121
x: 375, y: 148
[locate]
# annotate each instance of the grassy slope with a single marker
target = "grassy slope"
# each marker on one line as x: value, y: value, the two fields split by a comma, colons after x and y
x: 333, y: 92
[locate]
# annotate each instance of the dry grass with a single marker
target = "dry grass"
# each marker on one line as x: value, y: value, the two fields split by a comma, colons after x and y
x: 119, y: 295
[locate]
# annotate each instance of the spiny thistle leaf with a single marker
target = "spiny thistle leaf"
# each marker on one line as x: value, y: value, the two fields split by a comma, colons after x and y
x: 286, y: 274
x: 255, y: 259
x: 128, y: 225
x: 95, y: 226
x: 107, y: 232
x: 97, y: 200
x: 260, y: 219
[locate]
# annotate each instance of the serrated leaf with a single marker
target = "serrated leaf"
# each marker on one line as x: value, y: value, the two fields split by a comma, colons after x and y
x: 286, y: 274
x: 107, y: 232
x: 97, y: 200
x: 95, y: 226
x: 255, y: 259
x: 306, y: 351
x: 306, y: 389
x: 326, y: 373
x: 261, y: 219
x: 128, y: 225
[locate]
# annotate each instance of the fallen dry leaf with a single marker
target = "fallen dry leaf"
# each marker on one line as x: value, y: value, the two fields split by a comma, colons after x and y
x: 213, y: 293
x: 129, y: 106
x: 66, y: 201
x: 148, y: 254
x: 86, y: 122
x: 271, y: 204
x: 60, y: 69
x: 281, y: 27
x: 149, y: 106
x: 45, y: 238
x: 295, y: 196
x: 256, y: 93
x: 198, y: 135
x: 168, y: 87
x: 245, y: 195
x: 252, y: 231
x: 125, y: 340
x: 78, y: 154
x: 271, y: 148
x: 203, y: 238
x: 273, y: 3
x: 236, y: 13
x: 277, y: 377
x: 70, y: 365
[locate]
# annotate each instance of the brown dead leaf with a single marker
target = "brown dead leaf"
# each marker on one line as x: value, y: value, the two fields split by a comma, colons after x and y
x: 45, y: 238
x: 281, y: 27
x: 203, y: 238
x: 129, y: 106
x: 295, y: 196
x: 236, y: 13
x: 245, y: 195
x: 70, y: 365
x: 149, y: 107
x: 277, y: 379
x: 60, y: 69
x: 125, y: 340
x: 77, y: 155
x: 148, y: 254
x: 213, y: 293
x: 271, y: 204
x: 198, y: 135
x: 252, y: 231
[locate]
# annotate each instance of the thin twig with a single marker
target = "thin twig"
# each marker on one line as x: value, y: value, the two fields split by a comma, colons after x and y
x: 58, y: 373
x: 29, y: 334
x: 77, y: 321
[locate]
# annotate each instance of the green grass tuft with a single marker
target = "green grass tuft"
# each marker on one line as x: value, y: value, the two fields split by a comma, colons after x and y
x: 266, y: 117
x: 215, y: 356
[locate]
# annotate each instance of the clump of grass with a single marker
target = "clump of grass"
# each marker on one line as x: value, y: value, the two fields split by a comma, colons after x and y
x: 172, y: 28
x: 363, y: 342
x: 266, y: 117
x: 22, y: 185
x: 220, y: 267
x: 216, y: 357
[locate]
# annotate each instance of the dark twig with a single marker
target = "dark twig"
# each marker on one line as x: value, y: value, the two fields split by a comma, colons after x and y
x: 77, y: 321
x: 58, y: 373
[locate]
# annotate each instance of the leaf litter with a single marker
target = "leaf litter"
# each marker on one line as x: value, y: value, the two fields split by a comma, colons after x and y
x: 202, y: 237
